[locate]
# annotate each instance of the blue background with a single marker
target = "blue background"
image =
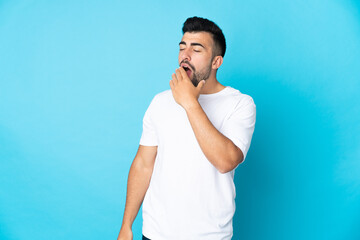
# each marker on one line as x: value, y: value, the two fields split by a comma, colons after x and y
x: 77, y: 76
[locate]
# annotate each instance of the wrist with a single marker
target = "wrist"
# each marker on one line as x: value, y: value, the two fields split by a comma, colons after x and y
x: 126, y: 226
x: 194, y: 105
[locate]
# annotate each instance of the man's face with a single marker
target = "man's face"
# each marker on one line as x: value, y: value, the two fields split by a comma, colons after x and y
x: 195, y: 55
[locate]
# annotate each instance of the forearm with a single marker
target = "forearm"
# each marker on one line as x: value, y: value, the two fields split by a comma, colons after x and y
x: 138, y: 183
x: 217, y: 148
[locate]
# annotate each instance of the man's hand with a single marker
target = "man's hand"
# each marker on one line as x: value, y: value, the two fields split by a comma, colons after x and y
x: 183, y: 90
x: 125, y: 234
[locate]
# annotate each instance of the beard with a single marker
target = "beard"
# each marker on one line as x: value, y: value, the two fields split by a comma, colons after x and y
x: 198, y: 76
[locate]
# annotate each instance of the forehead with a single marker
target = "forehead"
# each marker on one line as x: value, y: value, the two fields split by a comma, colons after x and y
x: 203, y: 38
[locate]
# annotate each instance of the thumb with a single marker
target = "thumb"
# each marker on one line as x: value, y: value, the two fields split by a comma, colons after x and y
x: 201, y: 84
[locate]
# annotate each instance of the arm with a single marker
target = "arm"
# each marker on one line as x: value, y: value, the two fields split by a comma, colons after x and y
x: 138, y: 182
x: 218, y: 149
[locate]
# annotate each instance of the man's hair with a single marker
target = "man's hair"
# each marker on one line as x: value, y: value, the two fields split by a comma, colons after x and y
x: 197, y: 24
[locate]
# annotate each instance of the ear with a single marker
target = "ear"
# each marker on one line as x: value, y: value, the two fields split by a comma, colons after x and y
x: 217, y: 61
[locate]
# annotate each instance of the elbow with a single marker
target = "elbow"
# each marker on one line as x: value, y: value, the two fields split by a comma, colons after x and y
x: 226, y: 169
x: 230, y: 162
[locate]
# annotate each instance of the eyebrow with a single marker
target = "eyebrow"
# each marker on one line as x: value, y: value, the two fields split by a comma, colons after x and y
x: 192, y: 44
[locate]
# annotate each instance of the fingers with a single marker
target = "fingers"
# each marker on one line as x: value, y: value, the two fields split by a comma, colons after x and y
x: 174, y: 78
x: 178, y: 74
x: 174, y: 81
x: 183, y: 73
x: 201, y: 84
x: 171, y: 83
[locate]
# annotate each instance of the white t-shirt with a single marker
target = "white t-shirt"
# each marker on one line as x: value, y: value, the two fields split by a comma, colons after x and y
x: 188, y: 198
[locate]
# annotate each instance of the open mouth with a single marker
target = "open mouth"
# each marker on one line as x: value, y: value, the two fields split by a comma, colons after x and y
x: 187, y: 70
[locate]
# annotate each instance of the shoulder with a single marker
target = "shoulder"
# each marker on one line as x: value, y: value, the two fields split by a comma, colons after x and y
x: 161, y: 98
x: 163, y: 95
x: 242, y: 106
x: 240, y: 98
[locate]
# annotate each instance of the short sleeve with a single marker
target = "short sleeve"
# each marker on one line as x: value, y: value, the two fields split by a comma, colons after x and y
x: 240, y: 124
x: 149, y: 136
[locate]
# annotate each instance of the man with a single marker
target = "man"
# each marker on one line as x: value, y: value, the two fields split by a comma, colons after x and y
x: 194, y: 136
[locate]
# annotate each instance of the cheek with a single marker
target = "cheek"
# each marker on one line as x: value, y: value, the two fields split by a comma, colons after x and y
x: 203, y: 60
x: 202, y: 64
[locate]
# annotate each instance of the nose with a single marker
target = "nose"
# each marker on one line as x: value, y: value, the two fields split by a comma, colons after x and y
x: 185, y: 55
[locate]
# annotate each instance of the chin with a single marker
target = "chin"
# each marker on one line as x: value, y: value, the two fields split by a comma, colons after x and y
x: 194, y: 82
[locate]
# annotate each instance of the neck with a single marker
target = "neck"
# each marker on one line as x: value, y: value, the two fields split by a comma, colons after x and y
x: 211, y: 86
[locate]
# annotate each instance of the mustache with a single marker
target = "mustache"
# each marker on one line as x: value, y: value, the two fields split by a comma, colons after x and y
x: 190, y: 65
